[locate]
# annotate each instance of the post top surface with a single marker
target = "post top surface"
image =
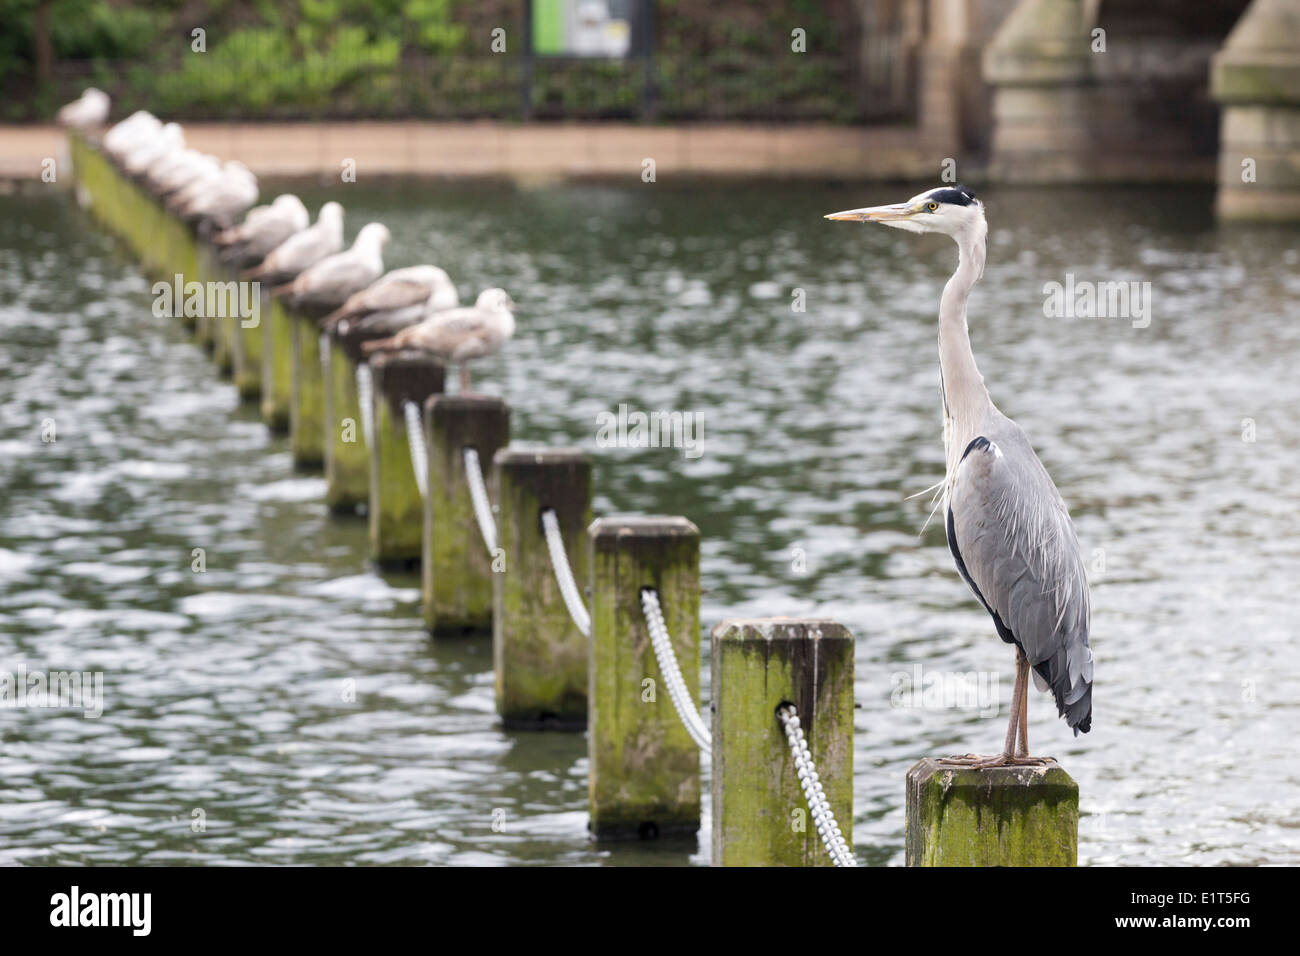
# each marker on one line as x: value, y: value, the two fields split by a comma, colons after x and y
x: 781, y: 628
x: 642, y: 526
x: 523, y: 455
x: 466, y: 402
x: 407, y: 358
x: 1048, y: 774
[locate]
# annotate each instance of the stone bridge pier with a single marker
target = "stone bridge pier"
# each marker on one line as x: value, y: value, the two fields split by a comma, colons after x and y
x: 1151, y: 91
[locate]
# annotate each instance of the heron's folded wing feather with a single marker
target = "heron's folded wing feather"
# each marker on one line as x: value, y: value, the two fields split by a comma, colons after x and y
x: 1015, y: 539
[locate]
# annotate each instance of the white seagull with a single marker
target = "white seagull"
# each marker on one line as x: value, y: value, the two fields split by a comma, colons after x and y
x: 139, y: 156
x: 323, y: 287
x: 264, y: 228
x: 87, y: 112
x: 398, y: 299
x: 458, y: 336
x: 134, y: 129
x: 302, y: 249
x: 222, y: 200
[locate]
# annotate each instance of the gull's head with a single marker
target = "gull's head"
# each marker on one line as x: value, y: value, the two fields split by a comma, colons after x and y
x: 374, y: 234
x: 332, y: 212
x: 495, y: 300
x: 951, y: 210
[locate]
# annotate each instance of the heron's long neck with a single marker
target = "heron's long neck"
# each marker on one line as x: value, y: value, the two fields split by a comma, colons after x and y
x: 965, y: 399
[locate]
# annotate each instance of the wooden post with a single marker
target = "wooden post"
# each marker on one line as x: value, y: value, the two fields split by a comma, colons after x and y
x: 307, y: 401
x: 248, y: 351
x: 539, y: 655
x: 457, y: 568
x: 760, y: 813
x: 644, y: 773
x: 277, y: 366
x: 396, y: 510
x: 221, y: 325
x: 347, y: 461
x: 1001, y: 816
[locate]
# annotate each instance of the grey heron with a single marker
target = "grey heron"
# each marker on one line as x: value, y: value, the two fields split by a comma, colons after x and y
x: 458, y: 335
x: 1009, y: 532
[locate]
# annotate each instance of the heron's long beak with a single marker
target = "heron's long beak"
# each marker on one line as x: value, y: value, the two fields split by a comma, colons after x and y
x: 890, y: 213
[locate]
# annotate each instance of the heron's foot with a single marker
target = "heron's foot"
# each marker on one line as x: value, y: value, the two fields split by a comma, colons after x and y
x: 978, y: 762
x: 965, y: 760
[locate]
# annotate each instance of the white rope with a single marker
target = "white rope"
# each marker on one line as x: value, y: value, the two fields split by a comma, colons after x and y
x: 415, y: 442
x: 831, y: 836
x: 564, y: 574
x: 654, y: 619
x: 365, y: 390
x: 478, y: 492
x: 325, y: 357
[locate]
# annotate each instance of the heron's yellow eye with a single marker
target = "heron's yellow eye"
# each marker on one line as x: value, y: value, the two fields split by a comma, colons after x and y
x: 932, y: 206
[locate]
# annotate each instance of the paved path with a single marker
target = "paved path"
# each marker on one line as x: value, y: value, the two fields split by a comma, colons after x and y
x: 532, y: 152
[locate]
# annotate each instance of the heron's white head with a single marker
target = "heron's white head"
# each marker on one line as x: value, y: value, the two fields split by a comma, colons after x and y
x: 495, y: 300
x: 951, y: 210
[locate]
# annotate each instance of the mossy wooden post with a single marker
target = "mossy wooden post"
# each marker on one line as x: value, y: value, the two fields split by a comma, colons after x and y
x: 277, y: 366
x: 643, y: 777
x: 396, y: 513
x: 1001, y: 816
x: 347, y: 461
x: 307, y: 397
x: 539, y: 655
x: 457, y: 569
x: 220, y: 308
x: 248, y: 347
x: 760, y: 814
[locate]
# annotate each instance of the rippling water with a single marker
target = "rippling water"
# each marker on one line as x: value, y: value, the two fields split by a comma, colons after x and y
x: 223, y: 690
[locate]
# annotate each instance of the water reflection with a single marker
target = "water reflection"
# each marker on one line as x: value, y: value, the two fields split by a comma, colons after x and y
x: 226, y: 690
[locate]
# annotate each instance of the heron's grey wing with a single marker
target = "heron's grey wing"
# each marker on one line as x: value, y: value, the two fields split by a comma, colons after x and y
x: 1013, y: 541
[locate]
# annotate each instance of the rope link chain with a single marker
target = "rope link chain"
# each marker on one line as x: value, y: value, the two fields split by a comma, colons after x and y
x: 564, y: 574
x: 415, y: 442
x: 654, y: 619
x: 478, y: 492
x: 365, y: 390
x: 829, y: 831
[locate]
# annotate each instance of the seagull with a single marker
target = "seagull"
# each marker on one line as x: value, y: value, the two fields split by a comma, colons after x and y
x: 87, y: 112
x: 458, y: 335
x: 302, y: 249
x: 176, y: 171
x: 217, y: 203
x: 401, y: 298
x: 324, y: 286
x: 144, y: 153
x: 262, y: 230
x: 135, y: 128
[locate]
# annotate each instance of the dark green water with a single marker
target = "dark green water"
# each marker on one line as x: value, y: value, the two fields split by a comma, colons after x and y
x: 223, y: 690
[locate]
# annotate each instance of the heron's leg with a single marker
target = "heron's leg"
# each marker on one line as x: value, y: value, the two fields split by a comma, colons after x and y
x: 1022, y: 665
x: 1013, y: 725
x: 464, y: 378
x: 1017, y: 705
